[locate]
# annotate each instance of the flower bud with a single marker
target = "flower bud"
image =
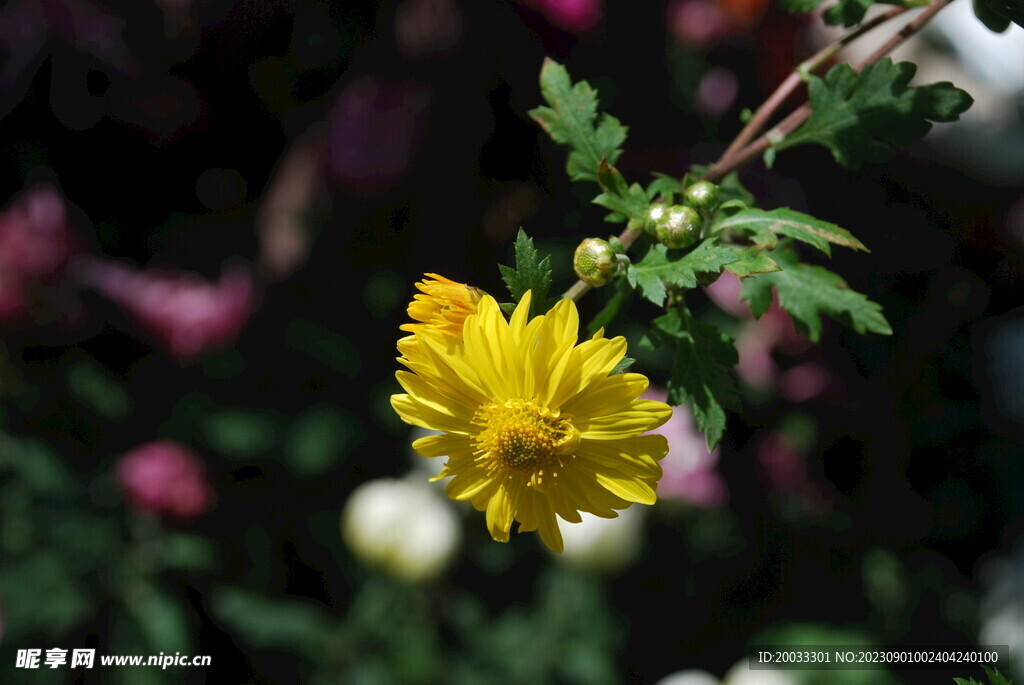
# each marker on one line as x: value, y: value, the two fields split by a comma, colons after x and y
x: 678, y: 227
x: 401, y: 527
x: 594, y: 262
x: 702, y: 195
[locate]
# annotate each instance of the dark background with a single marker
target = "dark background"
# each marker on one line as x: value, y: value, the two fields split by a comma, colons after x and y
x: 911, y: 454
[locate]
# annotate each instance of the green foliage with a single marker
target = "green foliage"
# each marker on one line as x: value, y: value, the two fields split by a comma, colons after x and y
x: 94, y: 387
x: 752, y: 260
x: 700, y: 369
x: 807, y: 292
x: 994, y: 678
x: 317, y: 440
x: 239, y: 433
x: 530, y: 273
x: 857, y: 116
x: 662, y: 267
x: 570, y: 120
x: 628, y: 202
x: 764, y: 228
x: 997, y: 14
x: 623, y: 365
x: 266, y: 623
x: 40, y: 468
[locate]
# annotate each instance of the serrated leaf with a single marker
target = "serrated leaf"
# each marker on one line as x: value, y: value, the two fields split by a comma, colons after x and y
x: 661, y: 267
x: 995, y: 677
x: 858, y: 116
x: 570, y: 120
x: 807, y: 292
x: 766, y: 226
x: 629, y: 202
x: 966, y: 681
x: 752, y: 260
x: 848, y: 12
x: 530, y: 273
x: 664, y: 185
x: 622, y: 366
x: 700, y: 369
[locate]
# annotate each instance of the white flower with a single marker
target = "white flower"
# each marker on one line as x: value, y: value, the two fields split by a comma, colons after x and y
x: 602, y: 544
x: 740, y: 674
x: 402, y: 527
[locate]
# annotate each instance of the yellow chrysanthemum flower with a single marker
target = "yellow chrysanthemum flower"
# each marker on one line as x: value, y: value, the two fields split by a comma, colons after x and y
x: 533, y: 424
x: 442, y: 304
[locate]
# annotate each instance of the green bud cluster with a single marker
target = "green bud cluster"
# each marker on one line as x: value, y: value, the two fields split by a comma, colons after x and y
x: 679, y: 226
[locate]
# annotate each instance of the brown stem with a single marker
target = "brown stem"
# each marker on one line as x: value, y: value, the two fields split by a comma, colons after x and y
x: 730, y: 162
x: 796, y: 77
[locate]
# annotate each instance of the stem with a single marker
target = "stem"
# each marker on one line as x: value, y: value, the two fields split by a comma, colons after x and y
x: 730, y: 162
x: 796, y: 77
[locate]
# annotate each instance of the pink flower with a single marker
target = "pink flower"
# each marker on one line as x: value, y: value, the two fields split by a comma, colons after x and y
x: 35, y: 241
x: 188, y: 314
x: 572, y: 15
x: 374, y: 129
x: 163, y: 477
x: 689, y: 469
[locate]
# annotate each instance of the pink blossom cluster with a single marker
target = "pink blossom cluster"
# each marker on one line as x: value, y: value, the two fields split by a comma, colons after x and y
x: 163, y: 477
x: 572, y: 15
x: 689, y: 469
x: 761, y: 338
x: 187, y: 313
x: 35, y: 246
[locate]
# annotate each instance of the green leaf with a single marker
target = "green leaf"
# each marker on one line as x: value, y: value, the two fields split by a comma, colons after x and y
x: 665, y: 186
x: 42, y: 469
x: 188, y: 552
x: 319, y: 439
x: 995, y: 677
x: 93, y: 386
x: 163, y: 621
x: 700, y: 369
x: 966, y: 681
x: 273, y: 622
x: 858, y: 116
x: 326, y: 346
x: 42, y: 597
x: 997, y: 14
x: 622, y: 366
x: 570, y: 120
x: 807, y: 292
x: 628, y: 202
x: 752, y: 260
x: 530, y: 273
x: 661, y: 267
x: 799, y: 6
x: 239, y: 433
x: 766, y: 226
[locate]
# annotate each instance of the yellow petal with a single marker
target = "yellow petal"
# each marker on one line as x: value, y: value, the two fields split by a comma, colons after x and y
x: 636, y: 456
x: 640, y: 417
x: 548, y: 526
x: 606, y: 395
x: 419, y: 414
x: 445, y: 445
x: 501, y: 509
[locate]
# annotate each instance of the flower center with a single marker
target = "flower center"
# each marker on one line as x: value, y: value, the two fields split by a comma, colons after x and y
x: 523, y: 436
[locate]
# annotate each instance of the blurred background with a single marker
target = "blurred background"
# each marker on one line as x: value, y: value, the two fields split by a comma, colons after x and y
x: 213, y: 215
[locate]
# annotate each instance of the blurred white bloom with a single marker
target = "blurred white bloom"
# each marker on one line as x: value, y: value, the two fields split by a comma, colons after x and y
x: 1002, y: 608
x: 691, y: 677
x: 600, y: 544
x: 402, y: 527
x: 740, y: 674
